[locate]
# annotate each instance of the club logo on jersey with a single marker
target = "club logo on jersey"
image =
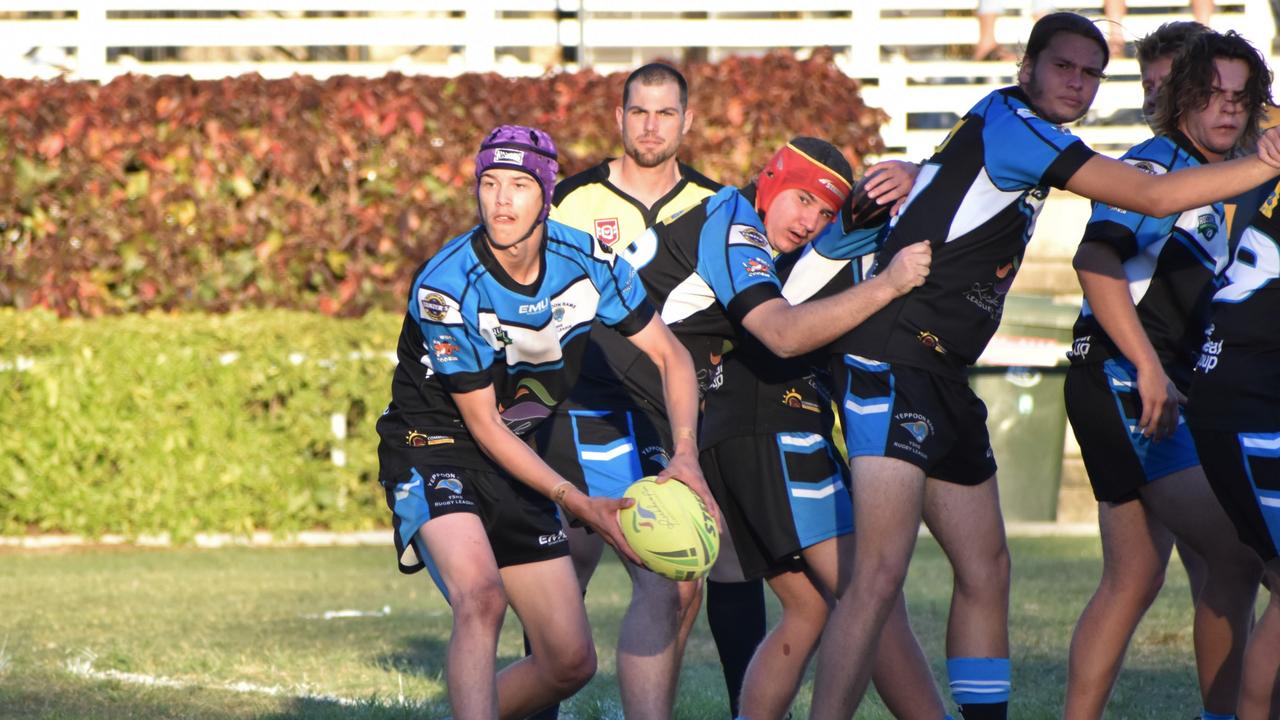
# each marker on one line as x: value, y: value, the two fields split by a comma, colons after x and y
x: 434, y: 307
x: 445, y: 348
x: 447, y: 481
x: 506, y: 155
x: 745, y: 234
x: 757, y: 268
x: 607, y: 233
x: 792, y: 399
x: 502, y: 337
x: 1207, y: 226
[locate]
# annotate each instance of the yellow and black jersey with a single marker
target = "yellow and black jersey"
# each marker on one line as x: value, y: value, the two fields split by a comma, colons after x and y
x: 590, y: 202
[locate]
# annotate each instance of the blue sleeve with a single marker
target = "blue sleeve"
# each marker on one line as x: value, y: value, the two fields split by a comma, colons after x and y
x: 837, y: 245
x: 735, y: 259
x: 455, y: 350
x: 1128, y: 232
x: 1023, y: 150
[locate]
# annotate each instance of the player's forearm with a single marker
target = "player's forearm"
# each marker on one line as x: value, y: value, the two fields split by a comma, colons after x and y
x: 514, y: 456
x: 680, y: 391
x: 793, y: 330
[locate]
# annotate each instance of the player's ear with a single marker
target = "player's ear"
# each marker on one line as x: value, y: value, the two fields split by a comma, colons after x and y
x: 617, y: 115
x: 688, y: 122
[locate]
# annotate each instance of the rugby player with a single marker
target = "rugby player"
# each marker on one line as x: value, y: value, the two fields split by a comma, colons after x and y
x: 1147, y: 284
x: 782, y: 487
x: 1234, y: 414
x: 493, y: 338
x: 915, y: 431
x: 604, y: 437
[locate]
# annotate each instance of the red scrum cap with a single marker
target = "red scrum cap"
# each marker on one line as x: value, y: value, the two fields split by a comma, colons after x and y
x: 808, y: 164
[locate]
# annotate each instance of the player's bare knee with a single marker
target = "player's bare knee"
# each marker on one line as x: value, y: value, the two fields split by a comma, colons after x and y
x: 986, y: 574
x: 571, y: 668
x: 881, y: 579
x: 481, y: 605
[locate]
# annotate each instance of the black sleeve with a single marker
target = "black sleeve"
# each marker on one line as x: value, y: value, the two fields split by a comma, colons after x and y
x: 636, y: 320
x: 1068, y: 162
x: 751, y: 298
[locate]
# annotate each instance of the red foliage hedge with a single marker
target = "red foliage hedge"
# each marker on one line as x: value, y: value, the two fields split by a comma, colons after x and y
x: 182, y: 195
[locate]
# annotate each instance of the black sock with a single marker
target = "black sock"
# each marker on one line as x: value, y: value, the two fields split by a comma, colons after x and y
x: 985, y: 711
x: 736, y: 614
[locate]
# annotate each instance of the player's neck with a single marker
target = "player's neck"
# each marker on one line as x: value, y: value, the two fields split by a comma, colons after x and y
x: 646, y: 185
x: 522, y: 261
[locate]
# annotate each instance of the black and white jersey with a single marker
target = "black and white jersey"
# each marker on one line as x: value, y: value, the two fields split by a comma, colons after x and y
x: 1170, y: 263
x: 976, y: 200
x: 470, y: 325
x: 1237, y: 375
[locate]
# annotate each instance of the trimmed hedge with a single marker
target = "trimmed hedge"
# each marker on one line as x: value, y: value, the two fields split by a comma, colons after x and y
x: 156, y: 423
x: 210, y: 196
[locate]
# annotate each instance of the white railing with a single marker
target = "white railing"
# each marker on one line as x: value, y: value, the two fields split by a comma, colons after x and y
x: 897, y: 47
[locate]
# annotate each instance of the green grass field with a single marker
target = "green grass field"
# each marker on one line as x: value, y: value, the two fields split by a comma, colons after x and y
x: 241, y: 633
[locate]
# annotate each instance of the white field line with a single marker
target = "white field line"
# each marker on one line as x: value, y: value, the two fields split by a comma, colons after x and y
x: 383, y: 537
x: 83, y: 667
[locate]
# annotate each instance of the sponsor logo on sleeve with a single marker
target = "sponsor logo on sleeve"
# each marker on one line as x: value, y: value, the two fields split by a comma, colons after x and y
x: 747, y: 235
x: 433, y: 306
x: 445, y: 348
x: 757, y: 268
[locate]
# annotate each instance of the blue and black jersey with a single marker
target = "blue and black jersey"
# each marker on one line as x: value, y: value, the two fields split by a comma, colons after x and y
x: 976, y: 201
x: 1170, y: 263
x: 470, y: 325
x: 761, y: 393
x: 1237, y: 374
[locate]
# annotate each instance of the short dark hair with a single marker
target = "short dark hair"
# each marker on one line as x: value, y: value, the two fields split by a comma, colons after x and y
x: 1167, y: 40
x: 1050, y: 25
x: 656, y: 74
x: 1190, y: 82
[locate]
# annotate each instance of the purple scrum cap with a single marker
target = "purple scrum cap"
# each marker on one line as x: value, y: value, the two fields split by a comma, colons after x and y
x: 516, y: 147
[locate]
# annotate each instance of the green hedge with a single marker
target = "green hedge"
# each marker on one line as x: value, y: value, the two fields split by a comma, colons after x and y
x: 157, y: 423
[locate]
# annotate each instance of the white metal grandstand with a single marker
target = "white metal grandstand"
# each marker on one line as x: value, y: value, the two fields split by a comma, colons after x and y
x: 906, y: 51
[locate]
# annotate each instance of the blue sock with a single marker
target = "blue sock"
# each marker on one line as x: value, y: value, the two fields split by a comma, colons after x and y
x: 980, y: 686
x: 1206, y: 715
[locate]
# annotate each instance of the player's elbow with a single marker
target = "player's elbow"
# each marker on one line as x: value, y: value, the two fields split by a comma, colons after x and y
x: 784, y: 340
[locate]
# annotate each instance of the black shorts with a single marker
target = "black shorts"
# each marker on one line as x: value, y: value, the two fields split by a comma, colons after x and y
x: 1104, y: 408
x: 933, y: 422
x: 779, y: 494
x: 603, y: 451
x: 522, y: 525
x: 1244, y: 471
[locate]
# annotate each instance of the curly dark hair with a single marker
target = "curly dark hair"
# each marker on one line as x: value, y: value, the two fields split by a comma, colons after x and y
x: 1190, y: 82
x: 1168, y: 39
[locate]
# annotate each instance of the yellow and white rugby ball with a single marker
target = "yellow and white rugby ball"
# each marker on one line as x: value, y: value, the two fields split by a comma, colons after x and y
x: 670, y: 529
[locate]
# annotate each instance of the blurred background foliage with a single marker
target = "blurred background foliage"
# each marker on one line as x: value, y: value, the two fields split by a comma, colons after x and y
x: 181, y: 195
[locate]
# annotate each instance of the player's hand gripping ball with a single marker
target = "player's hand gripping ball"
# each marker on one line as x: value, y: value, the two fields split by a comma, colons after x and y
x: 670, y: 529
